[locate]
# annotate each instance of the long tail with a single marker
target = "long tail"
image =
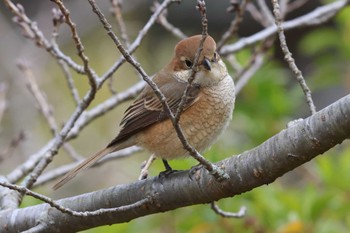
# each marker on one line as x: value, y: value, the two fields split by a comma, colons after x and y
x: 83, y: 165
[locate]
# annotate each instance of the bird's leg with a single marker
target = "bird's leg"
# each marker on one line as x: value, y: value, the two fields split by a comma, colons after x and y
x: 168, y: 169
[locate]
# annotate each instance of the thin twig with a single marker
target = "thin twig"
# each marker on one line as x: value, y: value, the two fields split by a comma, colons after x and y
x: 117, y: 12
x: 32, y: 31
x: 13, y: 145
x: 57, y: 21
x: 71, y: 152
x: 162, y: 20
x: 256, y: 61
x: 63, y: 209
x: 3, y: 102
x: 83, y: 104
x: 233, y: 29
x: 44, y: 107
x: 142, y: 33
x: 78, y: 44
x: 293, y: 5
x: 288, y: 57
x: 266, y: 12
x: 240, y: 214
x: 233, y: 62
x: 71, y: 86
x: 144, y: 168
x: 283, y: 4
x: 316, y: 17
x: 256, y: 14
x: 25, y: 168
x: 247, y: 73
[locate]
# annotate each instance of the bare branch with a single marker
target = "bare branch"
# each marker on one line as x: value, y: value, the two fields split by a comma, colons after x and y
x: 142, y: 33
x: 30, y: 28
x: 24, y: 169
x: 60, y: 138
x: 288, y: 57
x: 71, y: 151
x: 233, y: 29
x: 8, y: 198
x: 256, y: 61
x: 80, y: 48
x: 247, y: 73
x: 144, y: 167
x: 71, y: 212
x: 71, y: 86
x: 256, y: 14
x: 293, y: 5
x: 265, y: 11
x: 316, y: 17
x: 117, y: 12
x: 3, y: 102
x: 39, y: 96
x: 57, y: 20
x: 240, y: 214
x: 162, y: 20
x: 13, y: 145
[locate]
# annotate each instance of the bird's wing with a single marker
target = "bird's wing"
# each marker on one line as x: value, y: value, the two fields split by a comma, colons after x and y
x: 147, y: 108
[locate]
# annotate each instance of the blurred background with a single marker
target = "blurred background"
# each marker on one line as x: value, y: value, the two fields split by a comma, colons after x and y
x: 313, y: 198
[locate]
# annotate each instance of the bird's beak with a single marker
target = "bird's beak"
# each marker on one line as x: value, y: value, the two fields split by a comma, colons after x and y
x: 206, y: 64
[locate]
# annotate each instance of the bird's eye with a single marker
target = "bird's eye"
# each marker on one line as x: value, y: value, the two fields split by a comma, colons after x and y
x: 188, y: 63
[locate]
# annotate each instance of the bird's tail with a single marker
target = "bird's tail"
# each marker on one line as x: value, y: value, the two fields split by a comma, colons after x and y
x: 84, y: 165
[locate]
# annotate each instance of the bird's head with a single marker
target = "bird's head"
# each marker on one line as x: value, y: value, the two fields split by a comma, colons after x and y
x: 210, y: 68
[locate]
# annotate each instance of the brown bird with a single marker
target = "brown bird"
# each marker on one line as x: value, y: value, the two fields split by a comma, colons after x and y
x: 207, y: 110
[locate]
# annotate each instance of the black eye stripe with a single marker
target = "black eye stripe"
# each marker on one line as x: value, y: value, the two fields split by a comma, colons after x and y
x: 215, y: 57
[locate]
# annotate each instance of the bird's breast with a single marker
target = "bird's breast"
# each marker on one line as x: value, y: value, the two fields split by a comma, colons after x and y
x: 201, y: 123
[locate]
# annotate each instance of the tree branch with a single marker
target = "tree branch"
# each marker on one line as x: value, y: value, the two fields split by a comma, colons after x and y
x: 316, y: 17
x: 262, y: 165
x: 289, y: 58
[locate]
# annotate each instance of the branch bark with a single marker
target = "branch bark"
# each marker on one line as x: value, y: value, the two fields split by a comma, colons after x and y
x: 262, y: 165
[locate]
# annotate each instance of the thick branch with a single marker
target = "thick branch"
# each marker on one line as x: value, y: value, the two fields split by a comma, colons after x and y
x: 262, y: 165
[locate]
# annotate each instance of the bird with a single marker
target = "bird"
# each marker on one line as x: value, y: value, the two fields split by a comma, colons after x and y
x: 206, y: 113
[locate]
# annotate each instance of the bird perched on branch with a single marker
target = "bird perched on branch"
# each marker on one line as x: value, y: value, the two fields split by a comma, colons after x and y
x: 206, y: 111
